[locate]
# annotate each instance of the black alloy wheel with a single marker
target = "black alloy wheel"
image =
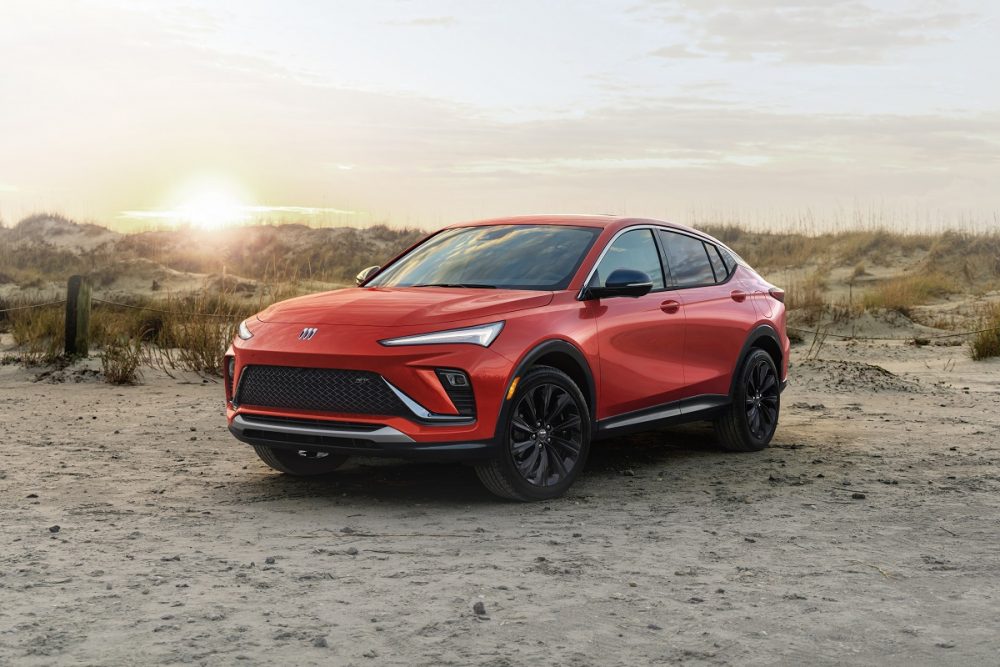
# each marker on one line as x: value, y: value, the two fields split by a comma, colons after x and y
x: 543, y: 441
x: 748, y: 424
x: 546, y: 434
x: 761, y: 399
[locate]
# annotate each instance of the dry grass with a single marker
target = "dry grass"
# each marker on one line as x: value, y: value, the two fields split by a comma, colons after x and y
x: 903, y: 293
x: 120, y: 360
x: 39, y: 332
x: 190, y: 333
x: 987, y: 343
x: 807, y: 296
x: 778, y: 250
x: 280, y: 262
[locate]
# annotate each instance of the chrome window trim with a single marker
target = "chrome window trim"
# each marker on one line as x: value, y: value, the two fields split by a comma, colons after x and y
x: 607, y: 247
x: 703, y: 239
x: 669, y: 284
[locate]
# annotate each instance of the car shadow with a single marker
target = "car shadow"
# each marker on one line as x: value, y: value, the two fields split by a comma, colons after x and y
x: 394, y: 480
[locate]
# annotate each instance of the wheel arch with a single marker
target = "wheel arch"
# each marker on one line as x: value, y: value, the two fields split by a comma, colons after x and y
x: 564, y: 356
x: 762, y: 337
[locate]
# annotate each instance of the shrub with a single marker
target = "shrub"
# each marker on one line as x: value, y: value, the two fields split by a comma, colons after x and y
x: 987, y: 343
x: 807, y: 296
x: 120, y: 360
x: 200, y: 343
x: 903, y: 293
x: 40, y: 332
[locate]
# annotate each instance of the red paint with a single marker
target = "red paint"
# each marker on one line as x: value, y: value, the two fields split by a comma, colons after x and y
x: 667, y: 345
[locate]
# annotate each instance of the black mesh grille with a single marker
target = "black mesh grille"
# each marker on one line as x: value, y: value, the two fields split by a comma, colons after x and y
x: 319, y: 389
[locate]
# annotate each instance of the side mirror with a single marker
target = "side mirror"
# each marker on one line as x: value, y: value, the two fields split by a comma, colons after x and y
x: 621, y: 282
x: 365, y: 274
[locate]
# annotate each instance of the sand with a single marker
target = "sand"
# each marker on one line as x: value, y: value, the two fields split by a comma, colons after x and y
x: 866, y: 534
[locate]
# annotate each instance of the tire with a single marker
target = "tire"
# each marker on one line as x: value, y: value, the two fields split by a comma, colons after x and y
x: 301, y: 463
x: 750, y: 421
x: 544, y: 439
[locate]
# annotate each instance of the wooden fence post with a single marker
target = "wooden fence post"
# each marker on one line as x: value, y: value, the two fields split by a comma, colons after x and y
x: 77, y: 317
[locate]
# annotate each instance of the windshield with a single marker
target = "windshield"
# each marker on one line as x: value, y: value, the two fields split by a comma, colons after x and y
x: 532, y: 257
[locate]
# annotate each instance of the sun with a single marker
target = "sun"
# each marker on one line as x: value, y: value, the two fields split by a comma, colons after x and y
x: 211, y: 210
x: 210, y: 203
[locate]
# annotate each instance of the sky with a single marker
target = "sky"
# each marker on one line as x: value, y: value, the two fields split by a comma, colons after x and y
x: 142, y: 114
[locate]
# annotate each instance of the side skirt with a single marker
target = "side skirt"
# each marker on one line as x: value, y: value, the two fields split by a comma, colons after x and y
x: 696, y: 408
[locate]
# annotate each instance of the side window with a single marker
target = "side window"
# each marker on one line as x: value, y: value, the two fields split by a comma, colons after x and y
x: 729, y: 260
x: 717, y: 264
x: 687, y: 260
x: 634, y: 250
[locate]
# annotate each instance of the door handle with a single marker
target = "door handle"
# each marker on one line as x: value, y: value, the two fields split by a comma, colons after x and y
x: 739, y: 296
x: 670, y: 307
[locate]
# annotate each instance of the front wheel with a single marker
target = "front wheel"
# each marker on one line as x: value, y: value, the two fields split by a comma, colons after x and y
x: 544, y: 439
x: 749, y: 423
x: 300, y: 462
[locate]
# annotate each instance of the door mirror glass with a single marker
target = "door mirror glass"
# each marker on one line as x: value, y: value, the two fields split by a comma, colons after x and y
x: 365, y: 274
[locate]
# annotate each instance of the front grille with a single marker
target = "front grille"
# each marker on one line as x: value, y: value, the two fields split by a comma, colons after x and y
x: 318, y: 389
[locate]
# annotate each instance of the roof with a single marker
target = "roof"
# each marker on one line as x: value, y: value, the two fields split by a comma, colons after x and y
x: 577, y: 220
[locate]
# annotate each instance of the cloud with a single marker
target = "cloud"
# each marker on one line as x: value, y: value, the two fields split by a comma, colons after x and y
x: 426, y: 21
x: 143, y: 111
x: 675, y: 51
x: 237, y: 214
x: 811, y: 31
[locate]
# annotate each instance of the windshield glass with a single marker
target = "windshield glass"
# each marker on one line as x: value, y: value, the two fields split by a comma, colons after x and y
x: 532, y: 257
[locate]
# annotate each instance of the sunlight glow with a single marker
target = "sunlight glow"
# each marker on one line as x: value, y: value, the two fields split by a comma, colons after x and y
x: 205, y: 202
x: 211, y: 210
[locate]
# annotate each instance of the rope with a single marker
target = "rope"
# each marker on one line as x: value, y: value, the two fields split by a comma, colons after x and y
x: 907, y: 338
x: 167, y: 312
x: 34, y: 305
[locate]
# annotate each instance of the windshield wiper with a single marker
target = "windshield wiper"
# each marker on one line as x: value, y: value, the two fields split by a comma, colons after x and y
x: 469, y: 285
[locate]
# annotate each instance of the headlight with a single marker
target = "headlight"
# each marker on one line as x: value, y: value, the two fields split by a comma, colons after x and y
x: 483, y: 334
x: 244, y: 331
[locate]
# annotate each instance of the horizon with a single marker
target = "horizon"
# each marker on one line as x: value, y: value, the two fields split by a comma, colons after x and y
x: 766, y: 114
x: 804, y: 224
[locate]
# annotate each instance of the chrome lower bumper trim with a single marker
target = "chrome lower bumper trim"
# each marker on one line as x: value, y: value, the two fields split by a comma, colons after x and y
x: 385, y: 434
x: 423, y: 413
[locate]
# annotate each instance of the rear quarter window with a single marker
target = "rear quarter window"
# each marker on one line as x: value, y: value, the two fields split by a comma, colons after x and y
x: 687, y: 260
x: 718, y: 266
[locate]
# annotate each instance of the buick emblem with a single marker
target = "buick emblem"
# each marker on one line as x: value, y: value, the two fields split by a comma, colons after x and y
x: 308, y: 333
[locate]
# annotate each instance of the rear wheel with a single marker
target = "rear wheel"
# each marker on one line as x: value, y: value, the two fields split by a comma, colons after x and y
x: 301, y: 462
x: 544, y: 439
x: 749, y: 423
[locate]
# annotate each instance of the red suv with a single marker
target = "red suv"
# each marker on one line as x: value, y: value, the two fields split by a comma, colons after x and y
x: 513, y: 344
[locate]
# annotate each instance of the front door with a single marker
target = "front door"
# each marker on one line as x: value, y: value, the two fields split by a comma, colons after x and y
x: 641, y: 339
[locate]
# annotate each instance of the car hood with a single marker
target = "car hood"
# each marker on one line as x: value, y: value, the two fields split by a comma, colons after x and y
x: 399, y: 306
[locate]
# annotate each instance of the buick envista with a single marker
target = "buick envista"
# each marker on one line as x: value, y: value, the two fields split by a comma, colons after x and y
x: 514, y: 345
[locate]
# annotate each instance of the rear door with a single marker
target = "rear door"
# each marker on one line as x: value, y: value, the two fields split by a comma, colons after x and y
x: 641, y: 339
x: 718, y: 311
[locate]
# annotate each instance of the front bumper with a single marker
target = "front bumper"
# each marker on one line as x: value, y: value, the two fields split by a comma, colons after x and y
x: 427, y: 415
x: 350, y: 438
